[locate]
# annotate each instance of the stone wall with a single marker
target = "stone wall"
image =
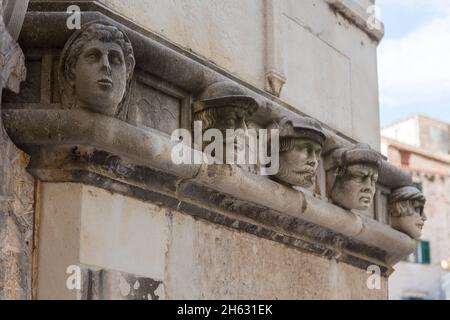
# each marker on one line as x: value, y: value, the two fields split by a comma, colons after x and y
x: 187, y: 258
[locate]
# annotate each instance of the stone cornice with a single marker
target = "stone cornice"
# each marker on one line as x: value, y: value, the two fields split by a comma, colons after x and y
x: 79, y: 146
x: 359, y: 16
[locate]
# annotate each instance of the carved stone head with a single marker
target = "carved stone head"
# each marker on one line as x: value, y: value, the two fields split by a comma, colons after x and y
x: 301, y: 142
x: 406, y: 210
x: 95, y: 69
x: 352, y: 174
x: 224, y: 105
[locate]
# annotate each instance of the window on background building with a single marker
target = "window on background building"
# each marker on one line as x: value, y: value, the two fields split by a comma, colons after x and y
x: 439, y: 139
x: 419, y: 185
x: 422, y: 254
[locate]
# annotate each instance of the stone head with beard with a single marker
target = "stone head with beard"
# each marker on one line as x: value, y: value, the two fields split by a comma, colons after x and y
x: 301, y: 142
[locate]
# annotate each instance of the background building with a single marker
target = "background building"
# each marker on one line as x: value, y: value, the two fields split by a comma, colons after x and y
x: 422, y: 145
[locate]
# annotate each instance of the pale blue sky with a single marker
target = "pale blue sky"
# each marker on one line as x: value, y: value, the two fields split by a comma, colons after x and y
x: 414, y: 59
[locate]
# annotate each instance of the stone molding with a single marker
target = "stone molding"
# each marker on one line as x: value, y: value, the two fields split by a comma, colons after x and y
x: 79, y: 146
x: 275, y: 75
x: 359, y: 16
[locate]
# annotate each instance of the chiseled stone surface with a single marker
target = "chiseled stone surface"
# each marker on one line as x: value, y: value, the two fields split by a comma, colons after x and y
x: 209, y: 262
x: 16, y: 187
x: 59, y: 239
x: 98, y: 229
x: 190, y: 259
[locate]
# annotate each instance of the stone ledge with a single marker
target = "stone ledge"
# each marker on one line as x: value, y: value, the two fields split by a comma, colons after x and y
x: 356, y: 14
x: 79, y: 146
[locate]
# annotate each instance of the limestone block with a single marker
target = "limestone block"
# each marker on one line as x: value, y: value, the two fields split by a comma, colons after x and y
x: 208, y: 262
x: 122, y: 234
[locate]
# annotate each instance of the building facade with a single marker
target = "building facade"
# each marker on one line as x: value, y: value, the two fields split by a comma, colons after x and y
x: 115, y: 217
x: 421, y: 145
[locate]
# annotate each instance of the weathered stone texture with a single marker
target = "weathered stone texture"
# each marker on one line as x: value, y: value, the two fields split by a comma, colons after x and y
x: 16, y: 186
x: 177, y: 256
x: 16, y: 223
x: 210, y: 262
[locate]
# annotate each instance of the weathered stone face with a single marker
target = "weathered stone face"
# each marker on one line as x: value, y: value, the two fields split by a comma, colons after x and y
x: 230, y: 118
x: 95, y: 69
x: 412, y: 224
x: 298, y: 166
x: 222, y: 106
x: 100, y: 77
x: 223, y: 118
x: 355, y: 188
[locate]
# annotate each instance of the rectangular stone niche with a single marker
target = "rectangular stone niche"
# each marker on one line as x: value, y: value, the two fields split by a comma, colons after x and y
x: 157, y: 104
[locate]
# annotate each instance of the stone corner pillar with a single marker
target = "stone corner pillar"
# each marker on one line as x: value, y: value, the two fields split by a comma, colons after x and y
x: 16, y: 186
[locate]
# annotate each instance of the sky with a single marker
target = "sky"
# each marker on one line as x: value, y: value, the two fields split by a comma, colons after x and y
x: 414, y: 59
